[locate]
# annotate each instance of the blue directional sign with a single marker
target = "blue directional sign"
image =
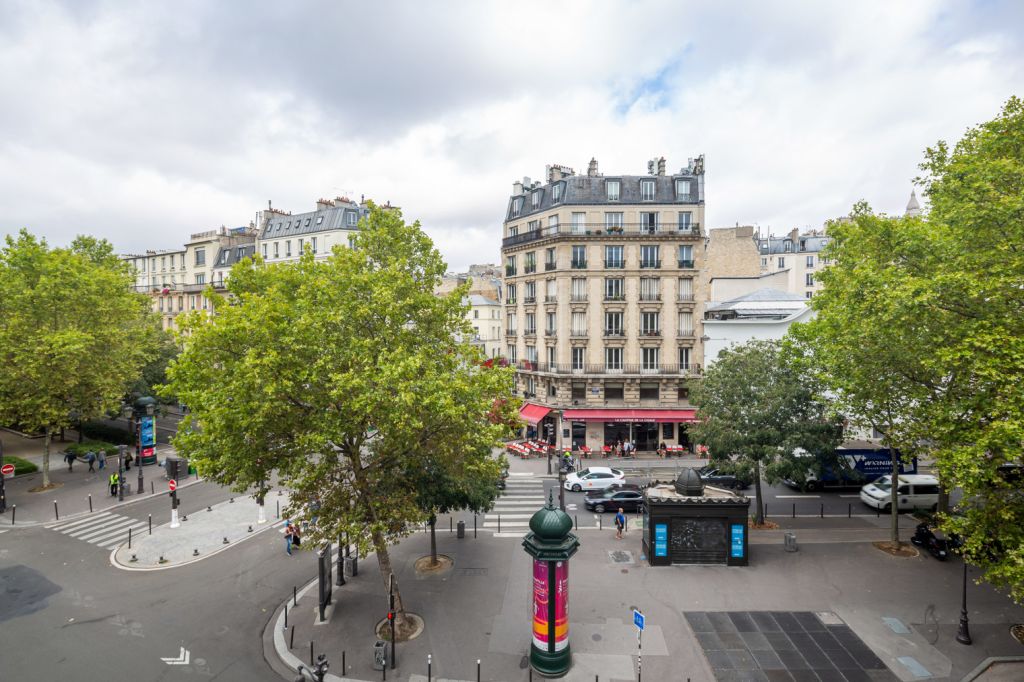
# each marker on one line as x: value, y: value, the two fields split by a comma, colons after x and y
x: 661, y: 539
x: 738, y: 529
x: 638, y: 620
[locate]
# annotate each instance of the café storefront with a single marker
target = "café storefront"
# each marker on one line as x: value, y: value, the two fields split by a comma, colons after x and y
x: 647, y: 428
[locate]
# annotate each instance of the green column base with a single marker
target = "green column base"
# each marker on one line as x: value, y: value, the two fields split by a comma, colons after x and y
x: 555, y: 664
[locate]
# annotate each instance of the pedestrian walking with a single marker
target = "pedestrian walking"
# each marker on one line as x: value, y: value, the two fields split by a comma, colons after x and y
x: 128, y: 461
x: 620, y: 524
x: 114, y: 482
x: 102, y: 456
x: 90, y: 457
x: 289, y: 532
x: 69, y: 457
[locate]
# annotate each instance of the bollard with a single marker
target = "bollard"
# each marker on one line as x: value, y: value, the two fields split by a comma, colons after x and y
x: 576, y: 521
x: 129, y: 538
x: 342, y: 660
x: 428, y: 667
x: 311, y: 659
x: 195, y: 551
x: 209, y: 508
x: 822, y: 515
x: 295, y: 596
x: 277, y: 515
x: 133, y: 559
x: 478, y: 670
x: 151, y: 490
x: 794, y: 510
x: 90, y: 503
x: 474, y: 526
x: 150, y: 524
x: 384, y: 673
x: 286, y: 616
x: 600, y: 522
x: 849, y: 510
x: 766, y: 510
x: 14, y: 511
x: 291, y: 642
x: 55, y: 512
x: 499, y: 523
x: 451, y: 525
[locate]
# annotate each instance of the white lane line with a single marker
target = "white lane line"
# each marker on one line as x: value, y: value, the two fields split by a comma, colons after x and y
x: 85, y: 530
x: 521, y: 473
x: 65, y: 525
x: 510, y: 516
x: 857, y: 496
x: 119, y: 533
x: 123, y: 525
x: 117, y: 539
x: 797, y: 497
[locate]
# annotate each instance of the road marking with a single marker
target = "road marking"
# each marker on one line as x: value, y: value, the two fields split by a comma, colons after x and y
x: 857, y: 496
x: 68, y: 525
x: 515, y: 516
x: 116, y: 529
x: 89, y: 530
x: 118, y: 536
x: 182, y: 659
x: 797, y: 497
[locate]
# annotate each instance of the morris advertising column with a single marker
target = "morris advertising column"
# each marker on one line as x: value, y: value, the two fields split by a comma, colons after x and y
x: 550, y: 544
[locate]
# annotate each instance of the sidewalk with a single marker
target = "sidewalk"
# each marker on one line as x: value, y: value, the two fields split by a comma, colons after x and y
x: 642, y: 463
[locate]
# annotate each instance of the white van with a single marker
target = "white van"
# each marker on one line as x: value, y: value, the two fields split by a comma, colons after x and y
x: 916, y: 491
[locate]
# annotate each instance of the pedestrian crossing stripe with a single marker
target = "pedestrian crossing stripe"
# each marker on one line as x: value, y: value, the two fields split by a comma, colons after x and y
x: 105, y: 529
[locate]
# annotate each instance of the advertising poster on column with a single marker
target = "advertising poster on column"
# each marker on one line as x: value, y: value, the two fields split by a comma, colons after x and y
x: 540, y: 604
x: 561, y: 605
x: 147, y: 440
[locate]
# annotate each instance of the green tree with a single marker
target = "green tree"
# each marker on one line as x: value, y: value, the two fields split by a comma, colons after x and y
x: 154, y: 372
x: 758, y: 409
x: 73, y: 333
x: 342, y: 375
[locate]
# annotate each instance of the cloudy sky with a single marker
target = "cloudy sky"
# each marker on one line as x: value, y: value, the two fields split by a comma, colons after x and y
x: 144, y: 122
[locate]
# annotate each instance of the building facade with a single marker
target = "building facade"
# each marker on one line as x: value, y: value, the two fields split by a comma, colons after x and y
x: 485, y: 315
x: 799, y: 255
x: 334, y: 222
x: 603, y: 303
x: 762, y: 314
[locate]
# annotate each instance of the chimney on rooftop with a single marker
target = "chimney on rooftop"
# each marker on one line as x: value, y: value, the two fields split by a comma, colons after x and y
x: 592, y: 168
x: 517, y: 188
x: 323, y: 203
x: 661, y: 166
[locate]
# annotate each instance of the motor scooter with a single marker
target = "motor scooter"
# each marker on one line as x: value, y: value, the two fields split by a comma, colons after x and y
x: 932, y: 540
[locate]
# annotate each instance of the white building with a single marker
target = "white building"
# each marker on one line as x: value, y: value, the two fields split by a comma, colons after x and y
x: 283, y: 236
x: 485, y: 316
x: 764, y: 314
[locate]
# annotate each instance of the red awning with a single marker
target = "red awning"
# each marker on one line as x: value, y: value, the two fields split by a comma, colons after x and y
x: 533, y: 413
x: 625, y: 415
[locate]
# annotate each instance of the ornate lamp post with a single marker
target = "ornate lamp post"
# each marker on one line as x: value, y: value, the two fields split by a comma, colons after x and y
x: 551, y: 545
x: 963, y: 633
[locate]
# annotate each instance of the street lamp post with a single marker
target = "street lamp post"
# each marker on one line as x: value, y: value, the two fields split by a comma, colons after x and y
x: 963, y: 633
x: 3, y: 492
x: 120, y: 472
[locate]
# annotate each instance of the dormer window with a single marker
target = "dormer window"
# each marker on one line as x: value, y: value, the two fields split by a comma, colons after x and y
x: 647, y: 190
x: 556, y: 192
x: 517, y: 206
x: 307, y: 221
x: 278, y: 227
x: 224, y: 257
x: 351, y: 218
x: 319, y: 219
x: 535, y: 199
x: 682, y: 190
x: 612, y: 189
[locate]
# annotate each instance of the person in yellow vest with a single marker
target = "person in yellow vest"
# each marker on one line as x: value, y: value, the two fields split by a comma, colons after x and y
x: 114, y: 482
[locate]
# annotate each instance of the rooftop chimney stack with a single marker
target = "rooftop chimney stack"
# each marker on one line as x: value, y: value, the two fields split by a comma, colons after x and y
x: 517, y: 189
x: 661, y: 166
x: 592, y: 168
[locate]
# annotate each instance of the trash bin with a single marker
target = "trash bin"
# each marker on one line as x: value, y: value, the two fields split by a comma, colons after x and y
x: 176, y: 467
x: 127, y: 488
x: 380, y: 654
x: 351, y: 566
x: 460, y: 530
x: 790, y: 542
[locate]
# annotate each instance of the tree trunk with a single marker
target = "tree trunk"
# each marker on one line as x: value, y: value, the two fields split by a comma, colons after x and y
x: 402, y: 624
x: 46, y: 457
x: 943, y: 507
x: 759, y: 513
x: 894, y: 498
x: 433, y: 540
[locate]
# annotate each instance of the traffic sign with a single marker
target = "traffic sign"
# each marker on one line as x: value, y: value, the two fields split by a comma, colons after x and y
x: 7, y: 470
x: 172, y: 484
x: 638, y: 620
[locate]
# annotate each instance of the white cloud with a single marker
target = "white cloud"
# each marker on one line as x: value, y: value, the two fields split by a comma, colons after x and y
x: 144, y: 123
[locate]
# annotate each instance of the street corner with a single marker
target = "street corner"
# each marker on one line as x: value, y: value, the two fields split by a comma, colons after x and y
x: 197, y: 536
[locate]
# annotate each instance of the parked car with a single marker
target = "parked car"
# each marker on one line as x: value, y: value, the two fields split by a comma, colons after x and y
x: 916, y: 491
x: 626, y: 495
x: 593, y: 478
x: 712, y: 476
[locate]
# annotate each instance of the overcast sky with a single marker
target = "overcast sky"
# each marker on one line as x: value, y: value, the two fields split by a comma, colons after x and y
x: 144, y: 122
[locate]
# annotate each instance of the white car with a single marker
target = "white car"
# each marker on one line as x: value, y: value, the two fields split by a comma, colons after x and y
x: 594, y: 478
x: 916, y: 491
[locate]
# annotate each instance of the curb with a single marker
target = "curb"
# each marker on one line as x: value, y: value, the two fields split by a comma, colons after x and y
x: 141, y: 569
x: 82, y: 515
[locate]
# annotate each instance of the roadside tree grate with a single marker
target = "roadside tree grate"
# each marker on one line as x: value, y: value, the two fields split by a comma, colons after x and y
x: 621, y: 556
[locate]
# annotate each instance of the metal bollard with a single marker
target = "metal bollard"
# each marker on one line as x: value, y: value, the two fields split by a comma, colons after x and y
x: 14, y: 512
x: 428, y: 667
x: 849, y: 510
x: 90, y: 503
x: 474, y: 526
x: 295, y: 596
x: 600, y: 522
x: 576, y: 521
x: 794, y: 510
x: 150, y: 524
x: 129, y: 538
x: 766, y: 510
x: 478, y: 670
x: 822, y: 515
x: 451, y: 525
x: 151, y: 490
x: 499, y: 523
x: 291, y: 642
x: 277, y: 514
x: 342, y: 662
x: 286, y: 616
x: 56, y: 513
x: 311, y: 659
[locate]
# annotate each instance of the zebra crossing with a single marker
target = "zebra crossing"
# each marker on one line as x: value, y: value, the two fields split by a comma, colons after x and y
x: 103, y: 529
x: 522, y: 497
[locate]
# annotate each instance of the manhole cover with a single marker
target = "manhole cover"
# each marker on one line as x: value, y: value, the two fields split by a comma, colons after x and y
x: 621, y: 556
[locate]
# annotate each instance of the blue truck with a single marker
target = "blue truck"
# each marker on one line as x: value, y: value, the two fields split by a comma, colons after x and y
x: 863, y: 465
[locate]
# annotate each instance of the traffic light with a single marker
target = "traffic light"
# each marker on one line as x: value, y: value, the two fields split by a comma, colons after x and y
x: 391, y: 615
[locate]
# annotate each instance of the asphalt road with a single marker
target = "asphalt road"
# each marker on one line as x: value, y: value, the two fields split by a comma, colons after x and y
x: 67, y: 614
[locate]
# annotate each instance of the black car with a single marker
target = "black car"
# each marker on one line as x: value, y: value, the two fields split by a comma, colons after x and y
x: 712, y: 476
x: 627, y: 496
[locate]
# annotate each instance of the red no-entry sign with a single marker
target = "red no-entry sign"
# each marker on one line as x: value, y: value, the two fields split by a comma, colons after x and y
x: 7, y: 469
x: 172, y: 484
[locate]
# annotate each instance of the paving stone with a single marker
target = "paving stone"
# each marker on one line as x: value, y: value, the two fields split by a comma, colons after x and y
x: 856, y: 675
x: 778, y: 676
x: 742, y: 621
x: 843, y: 660
x: 780, y: 641
x: 719, y: 660
x: 809, y: 621
x: 721, y: 622
x: 709, y: 641
x: 768, y: 660
x: 742, y: 659
x: 806, y: 676
x: 698, y: 621
x: 764, y: 621
x: 786, y: 621
x: 793, y: 660
x: 756, y: 641
x: 801, y: 640
x: 732, y: 640
x: 826, y: 641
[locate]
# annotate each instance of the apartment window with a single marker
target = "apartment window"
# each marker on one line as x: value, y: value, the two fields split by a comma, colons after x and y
x: 649, y: 222
x: 685, y: 288
x: 649, y: 358
x: 550, y: 326
x: 683, y: 394
x: 288, y: 248
x: 517, y: 207
x: 552, y: 391
x: 223, y: 258
x: 152, y: 264
x: 650, y: 289
x: 682, y: 190
x: 510, y: 293
x: 649, y: 391
x: 613, y: 324
x: 201, y: 279
x: 579, y: 324
x: 579, y: 289
x: 782, y: 262
x: 531, y: 355
x: 510, y: 323
x: 192, y: 302
x: 351, y: 242
x: 551, y: 356
x: 512, y: 355
x: 476, y: 314
x: 513, y: 230
x: 810, y: 261
x: 200, y: 256
x: 535, y: 198
x: 614, y: 289
x: 312, y: 243
x: 684, y: 359
x: 556, y: 192
x: 579, y: 257
x: 240, y: 253
x: 277, y: 249
x: 533, y: 226
x: 613, y: 391
x: 510, y: 266
x: 578, y: 358
x: 307, y: 221
x: 808, y: 294
x: 549, y: 259
x: 352, y: 217
x: 650, y: 256
x: 530, y: 292
x: 160, y: 304
x: 579, y: 391
x: 650, y: 323
x: 553, y: 223
x: 685, y: 221
x: 612, y: 189
x: 685, y: 256
x: 550, y: 290
x: 181, y: 303
x: 579, y: 223
x: 647, y: 190
x: 163, y: 263
x: 810, y: 279
x: 301, y: 245
x: 613, y: 221
x: 613, y: 359
x: 685, y: 323
x: 788, y: 246
x: 614, y: 257
x: 530, y: 263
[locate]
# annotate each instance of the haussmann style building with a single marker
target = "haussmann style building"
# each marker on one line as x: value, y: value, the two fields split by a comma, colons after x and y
x: 603, y: 313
